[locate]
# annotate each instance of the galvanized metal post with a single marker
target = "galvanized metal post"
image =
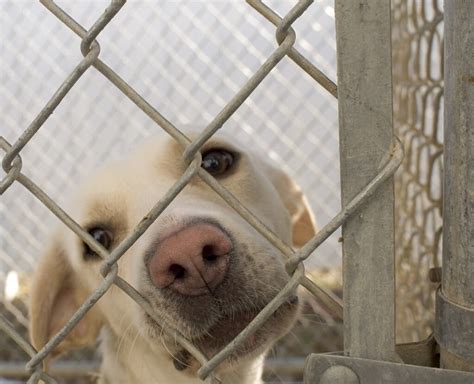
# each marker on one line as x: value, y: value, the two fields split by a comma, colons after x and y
x: 455, y: 302
x: 366, y: 141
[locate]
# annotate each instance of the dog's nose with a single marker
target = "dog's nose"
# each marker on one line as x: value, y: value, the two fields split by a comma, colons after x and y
x: 192, y: 261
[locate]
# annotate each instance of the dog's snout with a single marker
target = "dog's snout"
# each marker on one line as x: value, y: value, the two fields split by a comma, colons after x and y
x: 192, y: 261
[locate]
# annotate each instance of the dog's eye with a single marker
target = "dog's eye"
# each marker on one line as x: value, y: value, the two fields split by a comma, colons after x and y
x: 217, y: 161
x: 100, y: 235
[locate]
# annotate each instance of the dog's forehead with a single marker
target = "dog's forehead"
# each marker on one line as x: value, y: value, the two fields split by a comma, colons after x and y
x: 158, y: 154
x: 157, y: 160
x: 166, y: 148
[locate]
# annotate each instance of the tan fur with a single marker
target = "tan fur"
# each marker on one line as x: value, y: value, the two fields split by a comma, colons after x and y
x: 134, y: 350
x: 302, y: 217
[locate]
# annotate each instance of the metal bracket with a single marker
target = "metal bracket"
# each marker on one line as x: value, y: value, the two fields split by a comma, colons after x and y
x: 331, y: 369
x: 454, y: 328
x: 424, y: 353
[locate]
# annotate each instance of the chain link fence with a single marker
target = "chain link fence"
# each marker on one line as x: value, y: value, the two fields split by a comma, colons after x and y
x: 417, y: 35
x: 191, y: 77
x: 187, y: 61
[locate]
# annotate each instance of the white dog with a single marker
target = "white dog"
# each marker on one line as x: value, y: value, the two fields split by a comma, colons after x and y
x: 202, y: 267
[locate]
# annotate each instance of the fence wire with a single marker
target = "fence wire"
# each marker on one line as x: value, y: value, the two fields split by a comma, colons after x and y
x: 417, y: 37
x: 12, y: 166
x: 188, y: 59
x: 15, y: 175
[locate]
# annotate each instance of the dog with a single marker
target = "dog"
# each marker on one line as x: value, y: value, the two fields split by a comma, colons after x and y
x: 200, y: 265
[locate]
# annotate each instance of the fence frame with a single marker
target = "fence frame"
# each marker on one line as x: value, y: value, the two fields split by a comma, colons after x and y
x: 455, y: 300
x: 366, y: 141
x: 365, y: 116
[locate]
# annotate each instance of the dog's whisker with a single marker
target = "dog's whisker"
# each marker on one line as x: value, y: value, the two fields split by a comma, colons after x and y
x: 165, y: 346
x: 137, y: 334
x: 123, y: 336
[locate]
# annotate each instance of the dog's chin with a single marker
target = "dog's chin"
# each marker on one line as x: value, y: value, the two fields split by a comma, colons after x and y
x: 227, y: 327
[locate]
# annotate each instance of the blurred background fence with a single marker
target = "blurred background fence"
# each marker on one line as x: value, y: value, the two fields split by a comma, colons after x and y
x: 188, y: 59
x: 417, y: 36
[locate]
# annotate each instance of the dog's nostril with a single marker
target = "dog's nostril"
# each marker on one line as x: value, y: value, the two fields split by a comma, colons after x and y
x: 208, y: 253
x: 193, y: 261
x: 177, y: 271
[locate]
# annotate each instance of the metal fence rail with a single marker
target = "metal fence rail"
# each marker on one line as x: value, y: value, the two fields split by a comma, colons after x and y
x: 366, y: 141
x: 455, y: 299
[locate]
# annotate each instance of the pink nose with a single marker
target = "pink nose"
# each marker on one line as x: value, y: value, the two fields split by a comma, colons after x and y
x: 192, y: 261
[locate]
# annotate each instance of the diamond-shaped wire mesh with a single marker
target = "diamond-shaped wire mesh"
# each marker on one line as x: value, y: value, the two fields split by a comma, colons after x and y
x: 185, y: 59
x: 418, y: 121
x: 188, y: 61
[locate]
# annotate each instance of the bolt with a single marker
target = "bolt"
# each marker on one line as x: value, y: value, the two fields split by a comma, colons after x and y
x: 339, y: 374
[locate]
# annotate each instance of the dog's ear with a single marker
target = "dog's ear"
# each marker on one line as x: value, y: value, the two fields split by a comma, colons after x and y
x: 55, y: 295
x: 302, y: 217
